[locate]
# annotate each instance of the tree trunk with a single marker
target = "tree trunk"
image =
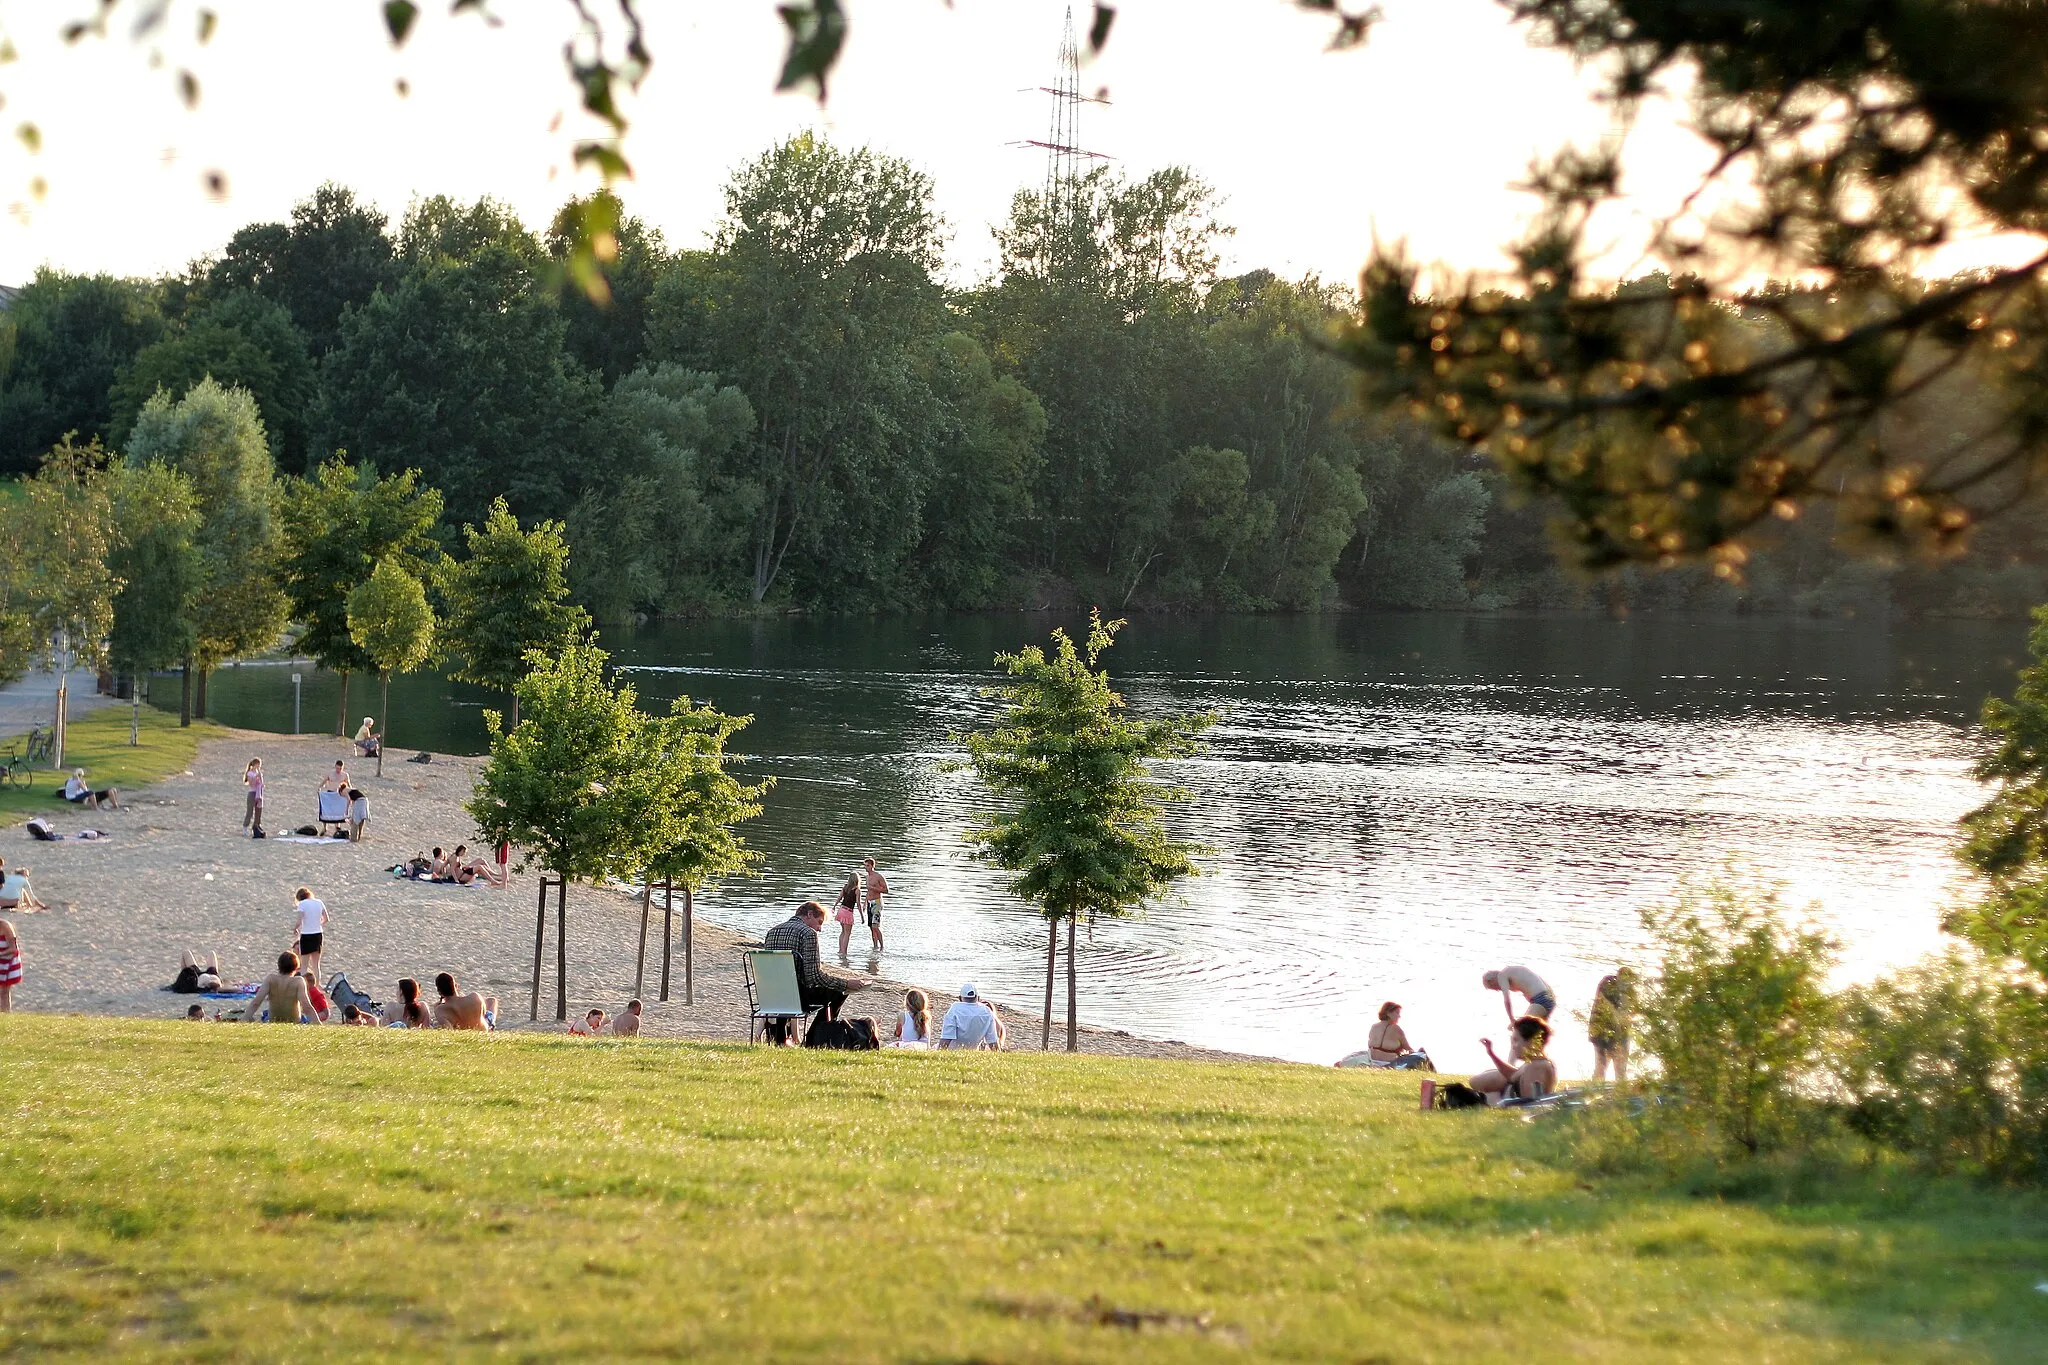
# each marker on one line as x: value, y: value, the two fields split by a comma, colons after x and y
x: 1073, y: 1044
x: 384, y: 707
x: 689, y: 949
x: 341, y: 707
x: 515, y: 710
x: 199, y: 703
x: 562, y: 951
x: 1052, y: 948
x: 185, y: 690
x: 540, y: 937
x: 640, y: 962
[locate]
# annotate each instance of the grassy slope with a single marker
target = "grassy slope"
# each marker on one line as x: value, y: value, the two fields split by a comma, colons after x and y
x: 175, y: 1190
x: 99, y: 743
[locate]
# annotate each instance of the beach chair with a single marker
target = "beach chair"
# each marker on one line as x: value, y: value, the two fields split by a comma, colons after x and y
x: 771, y: 989
x: 333, y: 809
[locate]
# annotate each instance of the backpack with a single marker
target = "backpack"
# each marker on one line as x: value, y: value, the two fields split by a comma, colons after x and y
x: 844, y: 1035
x: 1458, y: 1095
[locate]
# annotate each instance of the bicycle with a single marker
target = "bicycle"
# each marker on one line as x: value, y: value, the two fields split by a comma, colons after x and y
x: 42, y: 746
x: 15, y: 770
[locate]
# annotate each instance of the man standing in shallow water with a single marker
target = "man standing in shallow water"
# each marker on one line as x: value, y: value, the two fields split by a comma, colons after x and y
x: 873, y: 886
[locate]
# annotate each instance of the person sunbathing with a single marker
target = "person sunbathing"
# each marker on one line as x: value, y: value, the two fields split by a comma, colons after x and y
x: 463, y: 1009
x: 1527, y: 1074
x: 408, y: 1010
x: 468, y: 870
x: 196, y: 977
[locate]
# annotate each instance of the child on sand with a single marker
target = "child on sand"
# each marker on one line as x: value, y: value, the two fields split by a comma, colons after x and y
x: 252, y: 814
x: 10, y: 964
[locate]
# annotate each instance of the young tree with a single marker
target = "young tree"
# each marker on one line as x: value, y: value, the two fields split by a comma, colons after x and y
x: 704, y: 802
x: 508, y: 598
x: 581, y: 785
x: 338, y: 526
x: 215, y: 437
x: 60, y: 543
x: 2006, y: 838
x: 156, y: 557
x: 1083, y: 832
x: 390, y: 622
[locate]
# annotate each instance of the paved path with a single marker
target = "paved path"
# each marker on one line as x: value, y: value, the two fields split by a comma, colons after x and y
x: 32, y: 701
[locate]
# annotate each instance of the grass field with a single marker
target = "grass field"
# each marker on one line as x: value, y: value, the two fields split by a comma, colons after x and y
x: 98, y: 742
x: 178, y: 1191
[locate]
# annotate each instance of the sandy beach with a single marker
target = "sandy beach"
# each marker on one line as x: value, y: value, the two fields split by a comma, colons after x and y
x: 176, y: 872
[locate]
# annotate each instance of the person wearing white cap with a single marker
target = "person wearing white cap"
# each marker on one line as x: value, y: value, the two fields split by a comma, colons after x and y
x: 971, y: 1023
x: 78, y: 793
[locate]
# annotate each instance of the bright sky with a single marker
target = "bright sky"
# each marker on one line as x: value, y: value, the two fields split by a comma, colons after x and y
x: 1419, y: 136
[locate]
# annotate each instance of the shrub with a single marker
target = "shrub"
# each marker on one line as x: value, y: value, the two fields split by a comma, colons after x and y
x: 1737, y: 1017
x: 1948, y: 1060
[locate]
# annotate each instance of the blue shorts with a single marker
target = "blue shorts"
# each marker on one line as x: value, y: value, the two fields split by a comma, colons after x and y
x: 1544, y: 1001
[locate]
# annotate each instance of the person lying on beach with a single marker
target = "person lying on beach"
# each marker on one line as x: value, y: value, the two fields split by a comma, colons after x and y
x: 408, y: 1010
x: 626, y: 1024
x: 1512, y: 980
x: 17, y: 894
x: 284, y: 992
x: 462, y: 1009
x: 1527, y: 1074
x: 196, y: 977
x: 589, y: 1026
x: 79, y: 794
x: 1389, y: 1046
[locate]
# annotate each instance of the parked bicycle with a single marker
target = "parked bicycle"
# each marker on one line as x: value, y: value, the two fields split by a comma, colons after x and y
x: 16, y: 770
x: 42, y: 746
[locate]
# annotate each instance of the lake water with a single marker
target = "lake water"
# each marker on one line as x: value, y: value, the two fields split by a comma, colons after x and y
x: 1398, y: 802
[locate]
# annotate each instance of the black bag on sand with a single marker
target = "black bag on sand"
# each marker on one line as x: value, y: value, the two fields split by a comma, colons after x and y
x: 1458, y: 1095
x: 845, y: 1035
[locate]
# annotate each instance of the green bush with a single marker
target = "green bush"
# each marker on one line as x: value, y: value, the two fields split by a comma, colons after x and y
x: 1737, y: 1017
x: 1948, y: 1060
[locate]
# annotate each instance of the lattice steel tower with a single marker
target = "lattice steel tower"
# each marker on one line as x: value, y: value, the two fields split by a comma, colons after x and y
x: 1065, y: 157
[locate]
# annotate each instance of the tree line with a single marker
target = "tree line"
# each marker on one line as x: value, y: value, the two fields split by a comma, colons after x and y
x: 802, y: 414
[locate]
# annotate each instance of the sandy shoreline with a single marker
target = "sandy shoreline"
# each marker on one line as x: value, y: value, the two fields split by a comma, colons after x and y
x: 176, y: 872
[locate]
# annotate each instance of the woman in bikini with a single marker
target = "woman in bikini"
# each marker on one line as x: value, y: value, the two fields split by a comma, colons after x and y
x: 1389, y: 1045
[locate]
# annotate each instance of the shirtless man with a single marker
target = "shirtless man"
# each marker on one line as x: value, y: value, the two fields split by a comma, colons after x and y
x: 627, y: 1023
x: 873, y: 886
x: 462, y: 1009
x: 284, y: 990
x: 1511, y: 980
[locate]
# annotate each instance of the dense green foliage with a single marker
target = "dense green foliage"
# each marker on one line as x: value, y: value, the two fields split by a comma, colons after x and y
x: 2006, y: 839
x: 1081, y: 819
x: 390, y: 620
x: 571, y: 1199
x: 507, y: 597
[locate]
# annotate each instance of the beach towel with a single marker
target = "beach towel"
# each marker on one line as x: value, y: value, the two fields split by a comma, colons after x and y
x: 333, y: 808
x: 308, y: 839
x: 241, y: 991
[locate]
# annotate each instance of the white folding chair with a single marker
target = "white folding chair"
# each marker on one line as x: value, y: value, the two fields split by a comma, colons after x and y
x: 771, y: 988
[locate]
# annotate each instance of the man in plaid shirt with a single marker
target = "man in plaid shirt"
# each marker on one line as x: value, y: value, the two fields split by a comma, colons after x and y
x: 798, y: 936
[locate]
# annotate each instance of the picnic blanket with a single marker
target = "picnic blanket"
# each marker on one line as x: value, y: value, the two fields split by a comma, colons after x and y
x: 306, y: 839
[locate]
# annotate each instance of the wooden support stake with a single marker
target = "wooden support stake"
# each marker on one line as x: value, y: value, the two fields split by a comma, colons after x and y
x: 540, y: 933
x: 689, y: 950
x: 562, y: 950
x: 668, y: 919
x: 640, y: 963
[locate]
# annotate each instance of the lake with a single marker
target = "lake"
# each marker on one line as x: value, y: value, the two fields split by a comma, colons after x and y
x: 1397, y: 802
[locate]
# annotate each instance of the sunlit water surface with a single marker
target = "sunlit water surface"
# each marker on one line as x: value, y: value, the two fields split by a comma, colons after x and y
x: 1396, y: 802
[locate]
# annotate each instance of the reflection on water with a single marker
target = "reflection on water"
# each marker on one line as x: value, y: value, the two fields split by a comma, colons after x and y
x: 1397, y: 802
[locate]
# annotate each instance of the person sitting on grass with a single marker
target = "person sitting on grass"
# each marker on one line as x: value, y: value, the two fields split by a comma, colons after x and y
x: 914, y: 1021
x: 626, y: 1024
x: 17, y: 894
x: 462, y: 1009
x: 971, y: 1024
x: 196, y: 977
x: 408, y: 1010
x: 1389, y: 1045
x: 322, y: 1007
x: 354, y: 1017
x: 1527, y: 1074
x: 79, y: 794
x: 589, y: 1026
x: 283, y: 992
x: 196, y: 1012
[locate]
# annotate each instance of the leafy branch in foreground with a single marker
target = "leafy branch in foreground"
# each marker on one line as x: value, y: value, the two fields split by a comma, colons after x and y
x: 1674, y: 418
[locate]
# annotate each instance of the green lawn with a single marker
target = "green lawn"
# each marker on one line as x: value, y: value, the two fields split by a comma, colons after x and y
x: 199, y: 1191
x: 99, y: 743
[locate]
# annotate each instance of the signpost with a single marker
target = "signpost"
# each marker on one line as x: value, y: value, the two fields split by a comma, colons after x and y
x: 295, y: 703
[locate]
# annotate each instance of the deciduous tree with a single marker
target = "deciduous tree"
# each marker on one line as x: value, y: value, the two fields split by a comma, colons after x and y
x: 507, y: 598
x: 1082, y: 828
x: 156, y: 557
x: 392, y: 624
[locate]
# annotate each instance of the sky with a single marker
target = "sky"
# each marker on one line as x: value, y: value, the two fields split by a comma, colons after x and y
x: 1418, y: 137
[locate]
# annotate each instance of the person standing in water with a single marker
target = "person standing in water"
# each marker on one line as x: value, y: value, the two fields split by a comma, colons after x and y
x: 873, y: 886
x: 1511, y: 980
x: 849, y: 905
